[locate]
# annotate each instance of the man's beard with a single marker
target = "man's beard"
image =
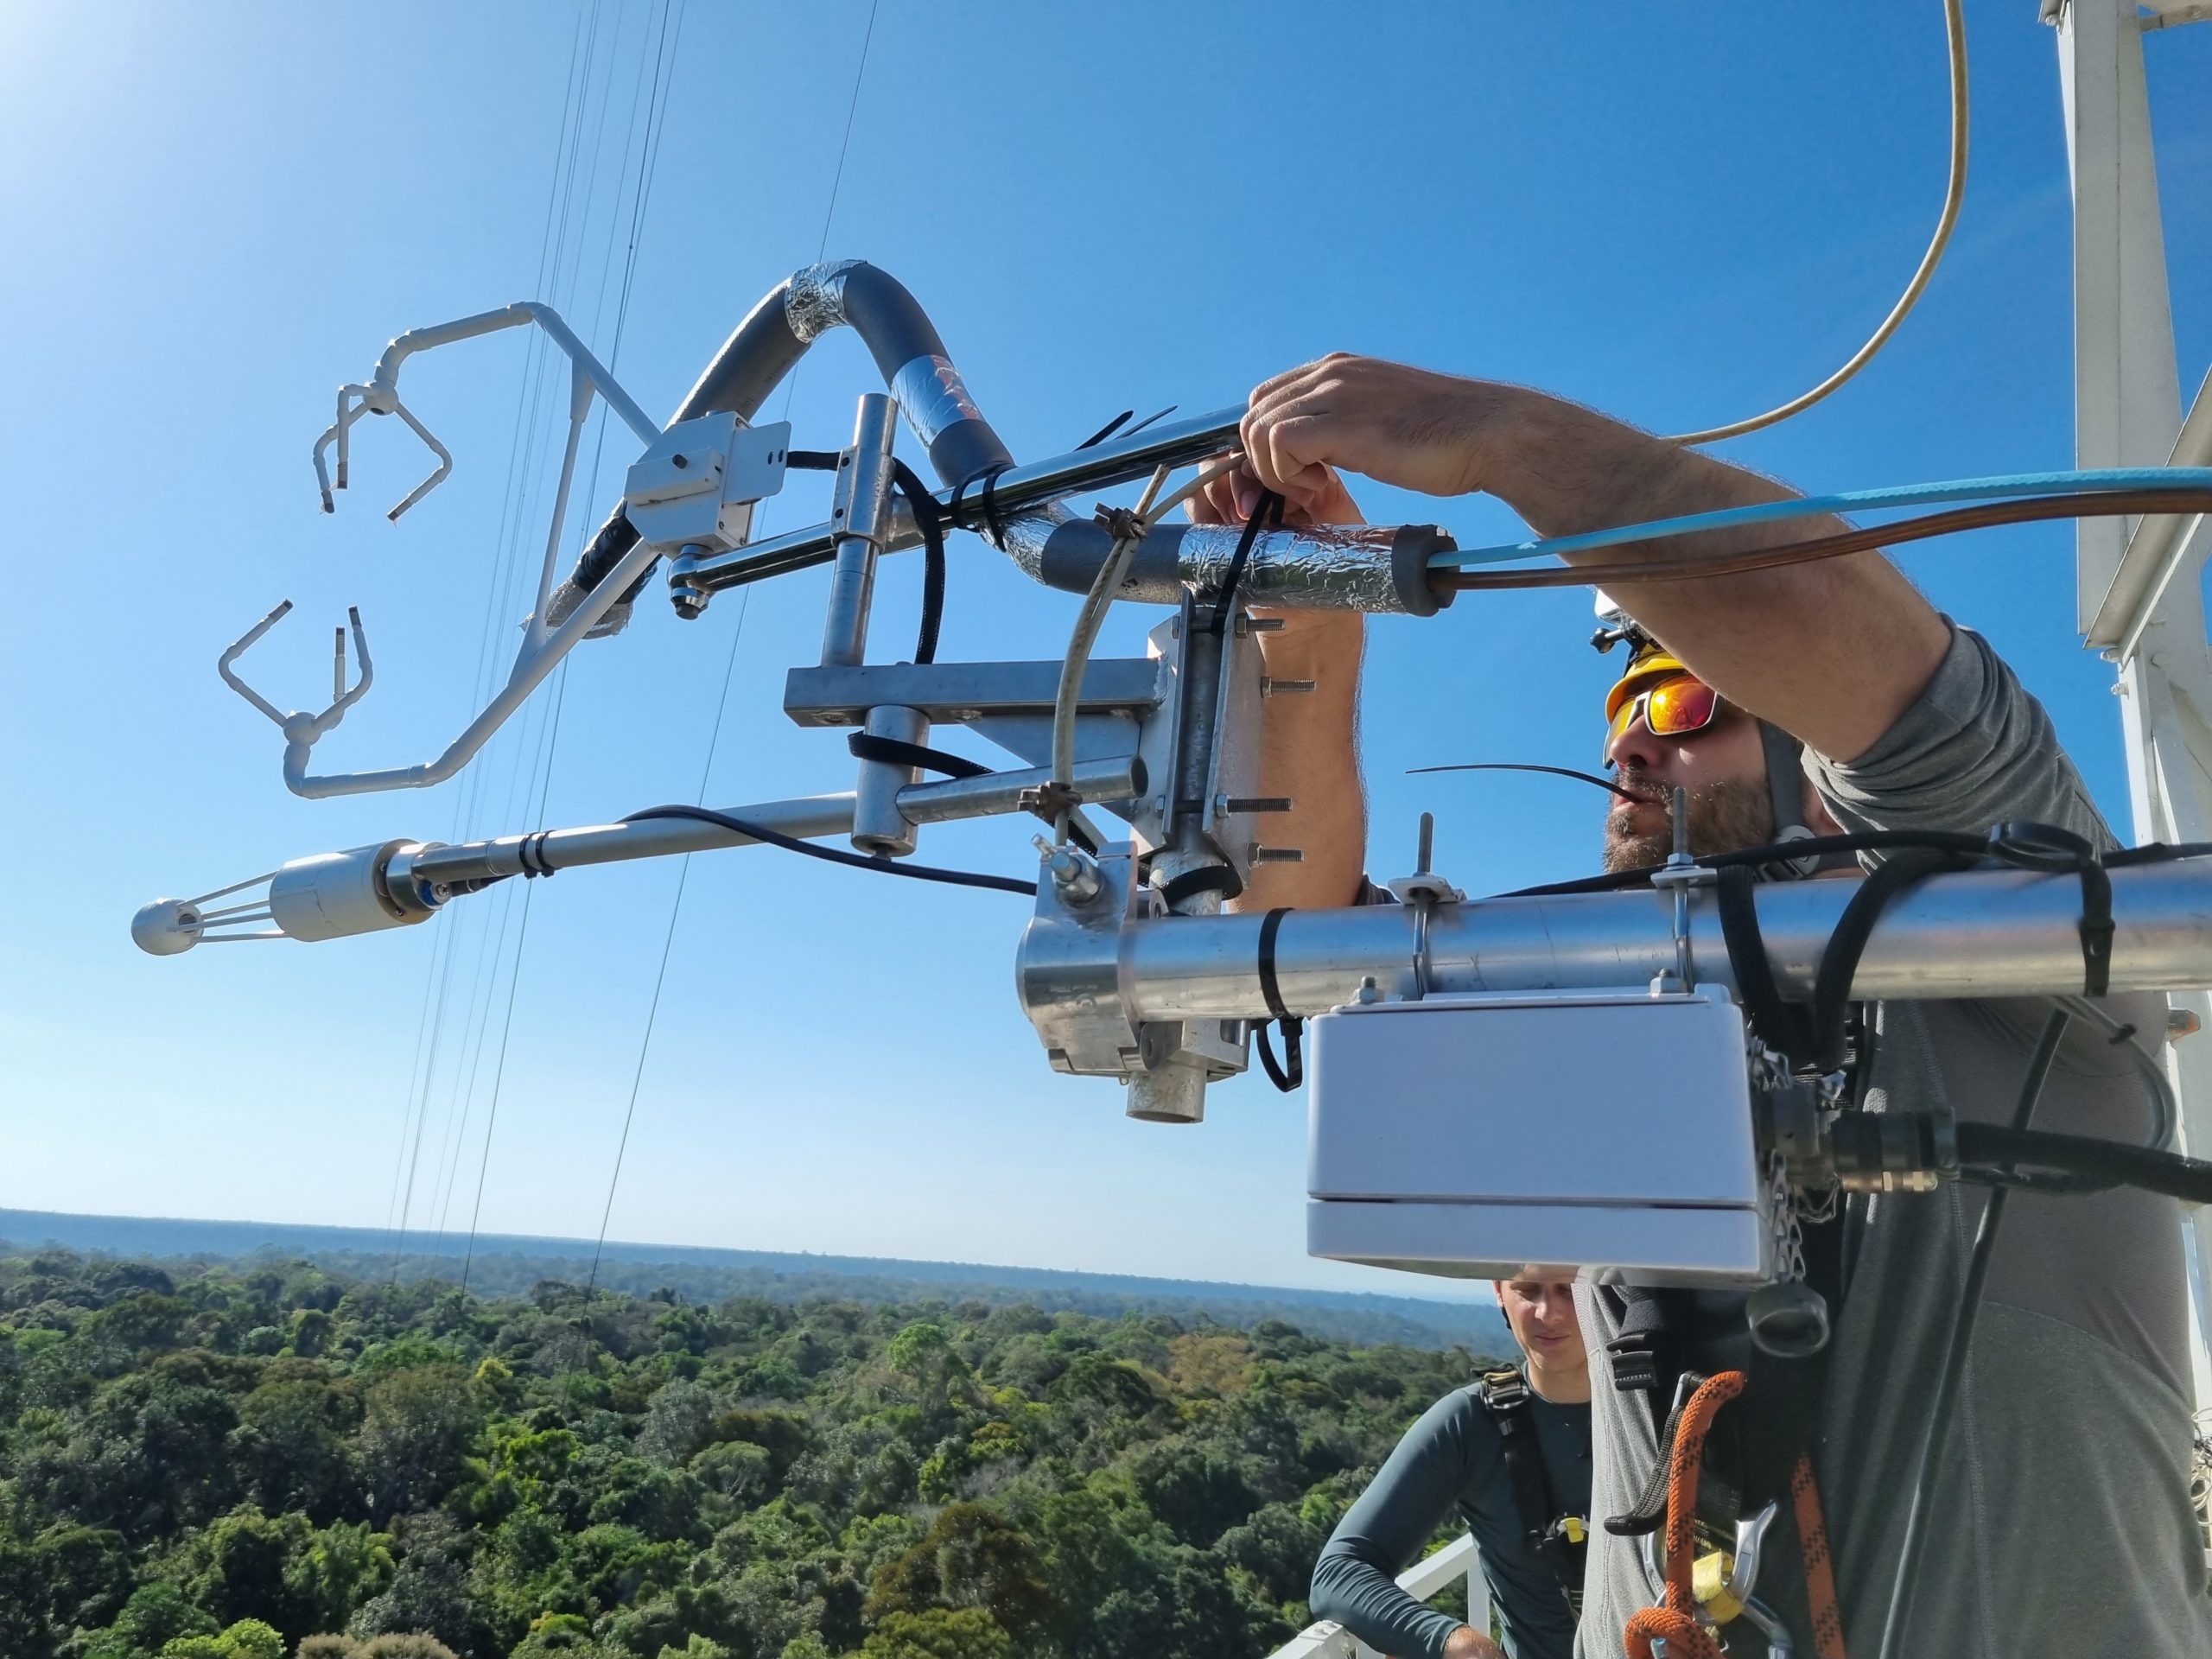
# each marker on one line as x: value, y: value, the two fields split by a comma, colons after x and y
x: 1729, y: 814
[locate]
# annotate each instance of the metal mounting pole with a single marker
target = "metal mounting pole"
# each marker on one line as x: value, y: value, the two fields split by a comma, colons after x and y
x: 861, y: 516
x: 2127, y: 412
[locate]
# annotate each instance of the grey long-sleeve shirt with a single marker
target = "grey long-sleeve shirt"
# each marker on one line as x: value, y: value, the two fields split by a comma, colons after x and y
x: 1453, y: 1459
x: 2060, y: 1515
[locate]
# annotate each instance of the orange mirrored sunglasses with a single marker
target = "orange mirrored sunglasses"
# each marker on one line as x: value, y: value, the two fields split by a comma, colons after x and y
x: 1674, y: 705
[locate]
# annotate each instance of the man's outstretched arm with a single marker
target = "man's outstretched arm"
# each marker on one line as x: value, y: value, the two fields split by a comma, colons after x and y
x: 1832, y: 651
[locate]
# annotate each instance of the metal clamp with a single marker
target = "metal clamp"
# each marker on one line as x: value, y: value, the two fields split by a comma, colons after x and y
x: 1421, y: 892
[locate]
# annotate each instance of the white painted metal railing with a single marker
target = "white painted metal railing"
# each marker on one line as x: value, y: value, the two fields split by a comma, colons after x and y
x: 1427, y: 1577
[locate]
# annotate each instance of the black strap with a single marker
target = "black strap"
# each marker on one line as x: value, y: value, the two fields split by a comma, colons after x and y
x: 1270, y: 988
x: 1206, y: 878
x: 1288, y: 1076
x: 866, y: 745
x: 1269, y: 508
x: 2047, y: 847
x: 1290, y: 1072
x: 1839, y: 960
x: 529, y: 853
x: 1506, y: 1397
x: 1776, y: 1023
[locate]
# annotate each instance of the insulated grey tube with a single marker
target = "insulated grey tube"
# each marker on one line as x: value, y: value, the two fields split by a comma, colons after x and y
x: 909, y: 353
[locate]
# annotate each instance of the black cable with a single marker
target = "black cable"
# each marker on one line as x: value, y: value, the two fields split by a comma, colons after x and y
x: 1864, y: 841
x: 1524, y: 766
x: 929, y: 518
x: 1954, y: 1354
x: 760, y: 832
x: 1839, y: 956
x: 1268, y: 506
x: 2084, y: 1158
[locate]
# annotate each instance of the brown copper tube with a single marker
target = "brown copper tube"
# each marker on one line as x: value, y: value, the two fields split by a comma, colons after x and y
x: 2085, y: 504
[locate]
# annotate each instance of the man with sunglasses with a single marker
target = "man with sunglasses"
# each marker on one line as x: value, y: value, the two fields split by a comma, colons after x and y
x: 2061, y: 1521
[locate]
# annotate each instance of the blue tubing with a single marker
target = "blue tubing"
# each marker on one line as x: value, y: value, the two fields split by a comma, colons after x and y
x: 1903, y: 495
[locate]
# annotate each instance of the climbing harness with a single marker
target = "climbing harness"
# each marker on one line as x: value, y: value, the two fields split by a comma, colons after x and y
x: 1559, y: 1536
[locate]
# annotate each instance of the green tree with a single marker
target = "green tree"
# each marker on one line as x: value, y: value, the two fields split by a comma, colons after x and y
x: 970, y: 1557
x: 156, y: 1615
x: 418, y: 1424
x: 938, y: 1633
x: 249, y: 1638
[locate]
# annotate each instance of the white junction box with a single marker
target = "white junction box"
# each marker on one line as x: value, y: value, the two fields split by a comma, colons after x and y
x: 1605, y: 1131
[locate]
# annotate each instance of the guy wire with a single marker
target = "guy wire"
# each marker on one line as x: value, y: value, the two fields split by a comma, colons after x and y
x: 457, y: 1121
x: 675, y: 908
x: 667, y: 943
x: 663, y: 52
x: 576, y: 99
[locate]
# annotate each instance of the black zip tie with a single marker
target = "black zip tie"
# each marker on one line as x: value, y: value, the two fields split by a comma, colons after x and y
x: 2046, y: 847
x: 1288, y: 1074
x: 1108, y: 431
x: 1207, y: 878
x: 1270, y: 505
x: 866, y: 745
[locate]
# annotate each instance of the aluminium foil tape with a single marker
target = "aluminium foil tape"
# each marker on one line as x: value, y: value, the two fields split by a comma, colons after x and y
x: 933, y: 395
x: 815, y: 302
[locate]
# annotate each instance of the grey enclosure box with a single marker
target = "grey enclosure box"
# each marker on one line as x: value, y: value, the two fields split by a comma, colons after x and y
x: 1608, y: 1132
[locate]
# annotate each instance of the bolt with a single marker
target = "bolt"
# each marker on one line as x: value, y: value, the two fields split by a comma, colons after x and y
x: 1074, y: 873
x: 1369, y: 991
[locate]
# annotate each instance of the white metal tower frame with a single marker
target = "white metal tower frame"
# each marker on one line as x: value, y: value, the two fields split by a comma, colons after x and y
x: 2139, y: 588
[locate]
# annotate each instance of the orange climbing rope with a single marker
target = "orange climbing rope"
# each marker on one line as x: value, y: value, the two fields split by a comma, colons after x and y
x: 1674, y: 1619
x: 1819, y: 1568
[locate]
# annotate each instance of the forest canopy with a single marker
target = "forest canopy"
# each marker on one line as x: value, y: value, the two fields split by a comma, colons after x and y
x: 279, y: 1459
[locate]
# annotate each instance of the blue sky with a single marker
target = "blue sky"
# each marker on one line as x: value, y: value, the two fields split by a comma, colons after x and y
x: 219, y: 213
